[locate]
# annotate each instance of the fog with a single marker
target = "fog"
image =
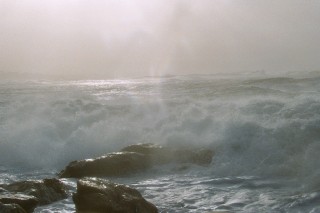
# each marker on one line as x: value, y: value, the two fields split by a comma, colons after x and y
x: 82, y: 39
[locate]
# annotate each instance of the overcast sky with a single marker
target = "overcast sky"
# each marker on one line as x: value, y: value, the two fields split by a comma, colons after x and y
x: 88, y: 39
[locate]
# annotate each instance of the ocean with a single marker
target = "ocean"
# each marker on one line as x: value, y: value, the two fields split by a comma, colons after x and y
x: 263, y: 128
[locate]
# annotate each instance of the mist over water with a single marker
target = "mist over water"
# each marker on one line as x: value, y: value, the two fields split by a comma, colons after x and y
x: 120, y: 39
x: 79, y: 79
x: 265, y: 126
x: 264, y: 130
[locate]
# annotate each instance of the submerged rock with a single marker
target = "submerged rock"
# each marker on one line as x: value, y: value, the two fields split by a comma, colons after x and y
x: 28, y: 203
x: 160, y: 155
x: 11, y: 208
x: 113, y: 164
x: 46, y: 191
x: 199, y: 157
x: 155, y: 154
x: 2, y: 189
x: 101, y: 196
x: 144, y: 148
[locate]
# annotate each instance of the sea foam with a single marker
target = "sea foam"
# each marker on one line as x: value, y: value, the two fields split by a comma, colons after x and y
x: 257, y: 126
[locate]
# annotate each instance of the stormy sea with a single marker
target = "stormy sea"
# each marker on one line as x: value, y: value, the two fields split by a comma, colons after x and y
x: 264, y: 130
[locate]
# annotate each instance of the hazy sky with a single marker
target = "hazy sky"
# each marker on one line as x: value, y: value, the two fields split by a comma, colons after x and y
x: 131, y: 38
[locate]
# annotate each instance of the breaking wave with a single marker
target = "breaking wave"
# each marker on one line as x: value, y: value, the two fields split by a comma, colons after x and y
x: 264, y: 126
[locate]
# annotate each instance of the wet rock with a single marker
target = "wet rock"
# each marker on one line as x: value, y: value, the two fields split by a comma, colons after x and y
x: 11, y: 208
x: 101, y: 196
x: 113, y: 164
x: 135, y: 158
x: 46, y: 191
x: 28, y: 203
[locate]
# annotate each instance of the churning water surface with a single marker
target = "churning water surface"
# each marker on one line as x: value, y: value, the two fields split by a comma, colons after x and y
x: 265, y: 131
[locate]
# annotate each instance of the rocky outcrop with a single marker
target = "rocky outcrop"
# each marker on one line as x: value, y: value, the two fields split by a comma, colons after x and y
x: 11, y: 208
x: 96, y: 195
x: 26, y: 202
x: 46, y: 191
x: 135, y: 158
x: 100, y: 196
x: 113, y: 164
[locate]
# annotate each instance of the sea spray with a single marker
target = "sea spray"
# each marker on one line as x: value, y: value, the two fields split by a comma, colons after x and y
x: 259, y: 126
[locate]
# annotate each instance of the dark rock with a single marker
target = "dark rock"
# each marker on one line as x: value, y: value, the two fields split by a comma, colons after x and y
x: 101, y: 196
x: 11, y: 208
x: 46, y: 191
x: 28, y: 203
x: 113, y: 164
x: 135, y: 158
